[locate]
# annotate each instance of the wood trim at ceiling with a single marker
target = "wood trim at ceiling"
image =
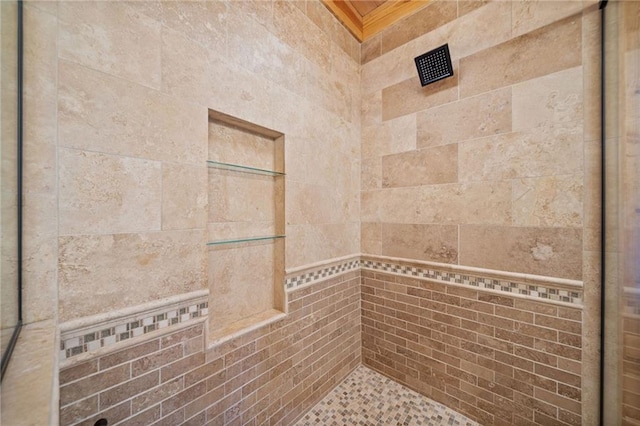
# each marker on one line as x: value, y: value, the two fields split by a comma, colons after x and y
x: 385, y: 15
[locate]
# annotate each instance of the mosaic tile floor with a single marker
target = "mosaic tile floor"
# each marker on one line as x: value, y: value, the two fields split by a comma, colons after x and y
x: 369, y: 398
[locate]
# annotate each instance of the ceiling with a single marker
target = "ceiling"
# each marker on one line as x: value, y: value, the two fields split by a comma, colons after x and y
x: 366, y: 18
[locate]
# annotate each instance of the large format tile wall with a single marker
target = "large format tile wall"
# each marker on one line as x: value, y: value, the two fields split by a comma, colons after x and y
x: 116, y: 103
x: 271, y: 375
x: 496, y: 167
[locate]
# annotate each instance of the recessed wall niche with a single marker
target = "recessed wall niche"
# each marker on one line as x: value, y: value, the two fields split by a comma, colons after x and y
x: 245, y: 226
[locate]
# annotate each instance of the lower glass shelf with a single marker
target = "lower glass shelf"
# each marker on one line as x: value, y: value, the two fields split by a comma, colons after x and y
x: 244, y: 240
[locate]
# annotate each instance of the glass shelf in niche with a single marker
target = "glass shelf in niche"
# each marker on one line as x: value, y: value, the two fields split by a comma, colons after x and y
x: 245, y: 169
x: 244, y: 240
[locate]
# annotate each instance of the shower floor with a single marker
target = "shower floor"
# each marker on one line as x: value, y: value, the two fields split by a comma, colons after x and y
x: 366, y: 397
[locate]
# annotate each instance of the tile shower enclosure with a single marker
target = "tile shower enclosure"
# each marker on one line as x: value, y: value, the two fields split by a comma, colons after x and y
x: 451, y: 249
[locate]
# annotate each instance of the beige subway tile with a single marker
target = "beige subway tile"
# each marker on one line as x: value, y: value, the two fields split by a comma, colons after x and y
x: 550, y: 334
x: 107, y: 194
x: 181, y: 366
x: 78, y: 371
x: 128, y: 355
x: 128, y: 389
x: 554, y: 252
x: 559, y: 324
x: 535, y: 355
x: 146, y: 417
x: 181, y: 336
x: 519, y: 58
x: 470, y: 118
x: 155, y: 360
x: 559, y: 349
x: 558, y: 400
x: 93, y: 384
x: 153, y: 396
x: 560, y: 376
x: 112, y: 38
x: 78, y: 411
x: 537, y: 307
x: 178, y: 400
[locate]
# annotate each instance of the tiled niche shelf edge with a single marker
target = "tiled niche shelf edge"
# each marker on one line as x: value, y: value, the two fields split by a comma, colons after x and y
x: 244, y: 240
x: 244, y: 169
x: 119, y: 330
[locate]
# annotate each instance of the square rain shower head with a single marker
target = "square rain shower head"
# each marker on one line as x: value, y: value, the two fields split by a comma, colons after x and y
x: 434, y: 65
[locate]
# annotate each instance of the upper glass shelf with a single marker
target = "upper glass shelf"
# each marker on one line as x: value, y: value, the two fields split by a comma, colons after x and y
x: 244, y: 240
x: 245, y: 169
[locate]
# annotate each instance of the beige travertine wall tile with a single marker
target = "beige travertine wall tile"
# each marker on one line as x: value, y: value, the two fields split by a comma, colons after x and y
x: 302, y: 206
x: 40, y: 215
x: 553, y: 252
x: 371, y: 173
x: 469, y: 118
x: 493, y: 22
x: 239, y: 197
x: 520, y: 58
x: 102, y: 193
x: 105, y: 114
x: 294, y: 28
x: 531, y: 15
x: 230, y: 145
x: 39, y: 257
x: 520, y: 154
x: 258, y: 10
x: 554, y: 101
x: 203, y: 22
x: 258, y: 50
x: 103, y: 273
x: 548, y: 201
x: 409, y: 97
x: 371, y: 238
x: 467, y: 6
x: 423, y: 21
x: 389, y: 69
x: 184, y: 196
x: 424, y: 167
x: 39, y: 97
x: 371, y: 48
x: 436, y: 243
x: 390, y: 137
x: 241, y: 278
x: 472, y: 202
x: 112, y: 38
x: 307, y: 243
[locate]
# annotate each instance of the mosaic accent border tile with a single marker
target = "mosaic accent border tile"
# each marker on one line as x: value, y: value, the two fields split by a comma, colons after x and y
x: 76, y: 342
x: 323, y: 273
x: 483, y: 283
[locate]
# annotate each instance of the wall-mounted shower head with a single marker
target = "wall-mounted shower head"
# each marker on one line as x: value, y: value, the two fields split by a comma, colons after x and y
x: 434, y: 65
